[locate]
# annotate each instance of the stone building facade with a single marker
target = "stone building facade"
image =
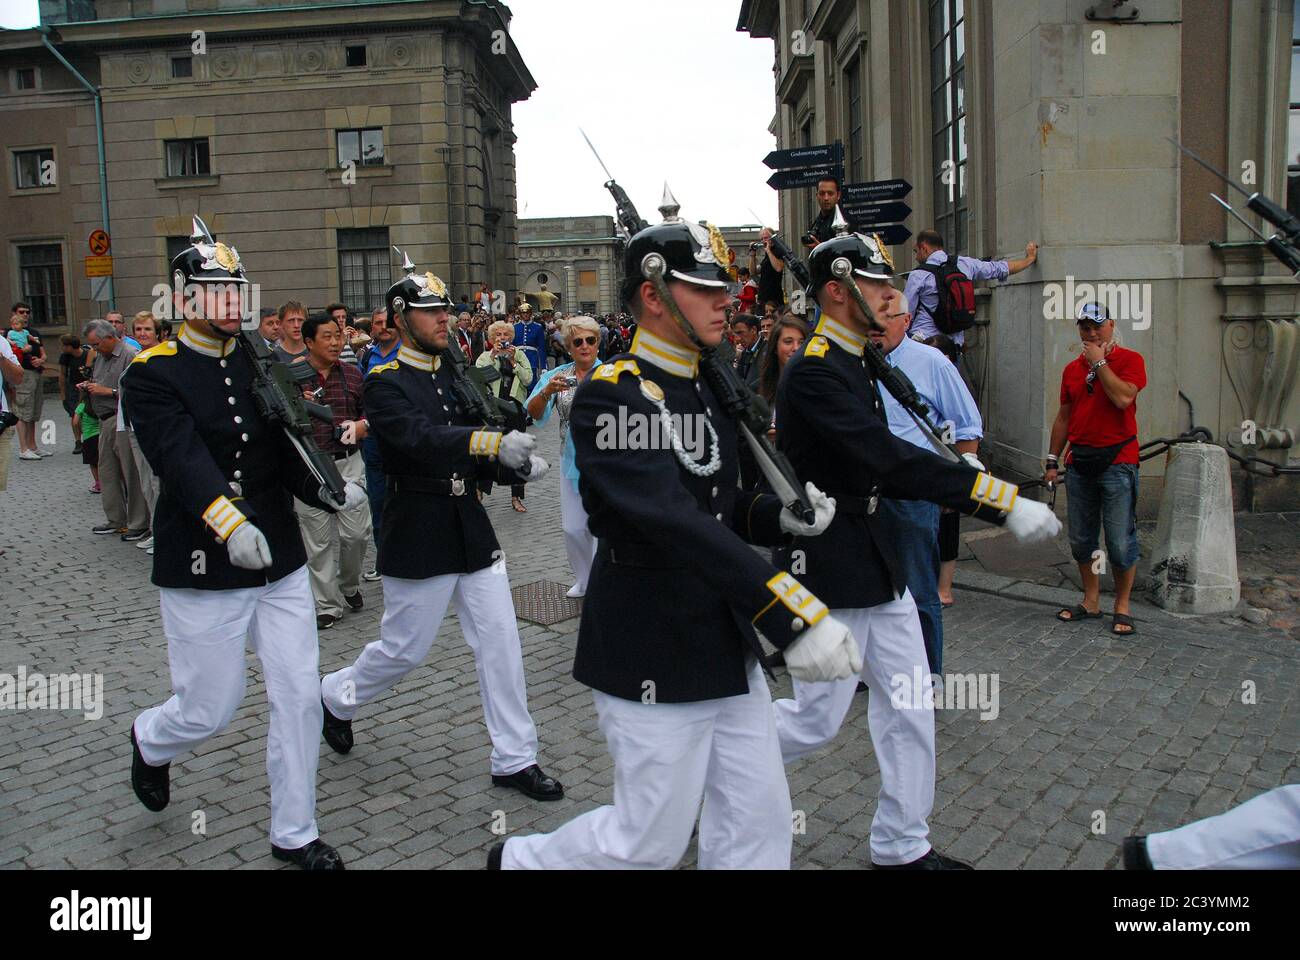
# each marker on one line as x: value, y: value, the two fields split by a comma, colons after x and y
x: 316, y: 137
x: 580, y: 258
x: 1022, y: 120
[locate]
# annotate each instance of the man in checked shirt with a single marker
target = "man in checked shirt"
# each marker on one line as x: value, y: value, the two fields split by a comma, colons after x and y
x: 335, y: 583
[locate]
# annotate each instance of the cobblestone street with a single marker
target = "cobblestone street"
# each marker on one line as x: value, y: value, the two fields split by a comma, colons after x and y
x: 1150, y: 731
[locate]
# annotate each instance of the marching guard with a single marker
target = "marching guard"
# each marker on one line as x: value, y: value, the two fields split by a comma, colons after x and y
x: 832, y: 426
x: 667, y: 639
x: 438, y: 541
x: 229, y: 559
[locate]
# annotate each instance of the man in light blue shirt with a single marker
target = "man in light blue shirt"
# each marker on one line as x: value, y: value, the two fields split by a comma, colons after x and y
x: 922, y: 292
x: 914, y: 524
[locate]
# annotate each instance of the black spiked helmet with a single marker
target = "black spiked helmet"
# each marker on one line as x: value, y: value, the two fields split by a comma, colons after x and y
x: 866, y: 253
x: 695, y: 253
x: 206, y: 260
x: 422, y: 291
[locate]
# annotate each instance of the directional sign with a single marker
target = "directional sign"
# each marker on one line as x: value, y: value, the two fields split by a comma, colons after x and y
x: 891, y: 235
x: 805, y: 156
x: 99, y: 266
x: 99, y: 243
x: 875, y: 191
x: 790, y: 179
x: 892, y: 212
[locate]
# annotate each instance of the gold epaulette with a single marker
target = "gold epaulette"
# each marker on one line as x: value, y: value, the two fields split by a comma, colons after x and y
x: 165, y: 349
x: 817, y: 347
x: 391, y: 365
x: 612, y: 371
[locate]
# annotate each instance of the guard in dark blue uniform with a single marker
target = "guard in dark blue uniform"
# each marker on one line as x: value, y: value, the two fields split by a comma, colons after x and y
x: 438, y: 541
x: 667, y: 639
x: 229, y: 560
x: 832, y: 426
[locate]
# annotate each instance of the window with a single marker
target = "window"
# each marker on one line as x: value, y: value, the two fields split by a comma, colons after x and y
x: 34, y: 169
x: 355, y: 56
x: 854, y: 168
x: 40, y: 271
x: 589, y: 308
x: 1293, y: 120
x: 948, y: 119
x: 25, y: 78
x: 588, y: 278
x: 182, y: 67
x: 365, y: 273
x: 188, y: 158
x: 365, y: 148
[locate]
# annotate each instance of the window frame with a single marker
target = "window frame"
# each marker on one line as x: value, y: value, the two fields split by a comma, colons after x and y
x: 375, y: 264
x: 192, y: 142
x: 38, y: 301
x: 181, y: 58
x: 948, y: 46
x: 360, y: 132
x: 17, y: 187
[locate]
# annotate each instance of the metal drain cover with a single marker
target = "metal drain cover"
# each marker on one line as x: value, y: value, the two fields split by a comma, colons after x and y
x: 544, y: 602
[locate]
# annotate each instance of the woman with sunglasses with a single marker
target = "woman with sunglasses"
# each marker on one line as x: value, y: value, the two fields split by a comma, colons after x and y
x: 554, y: 391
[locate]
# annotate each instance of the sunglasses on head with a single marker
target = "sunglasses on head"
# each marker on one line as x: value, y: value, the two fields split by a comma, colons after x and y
x: 585, y: 341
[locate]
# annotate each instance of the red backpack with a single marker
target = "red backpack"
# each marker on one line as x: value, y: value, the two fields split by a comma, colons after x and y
x: 956, y: 308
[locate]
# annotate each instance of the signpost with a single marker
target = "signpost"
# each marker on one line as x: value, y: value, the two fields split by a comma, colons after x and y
x: 99, y: 243
x: 825, y: 155
x: 790, y: 179
x: 875, y: 191
x: 893, y: 212
x: 99, y: 266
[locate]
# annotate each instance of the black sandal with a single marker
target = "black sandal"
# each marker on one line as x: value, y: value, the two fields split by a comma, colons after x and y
x: 1076, y: 613
x: 1123, y: 620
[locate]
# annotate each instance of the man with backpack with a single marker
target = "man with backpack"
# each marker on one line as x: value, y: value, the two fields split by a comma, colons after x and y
x: 941, y: 291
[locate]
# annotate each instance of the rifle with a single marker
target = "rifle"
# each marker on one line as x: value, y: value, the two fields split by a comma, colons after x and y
x: 469, y: 384
x: 628, y: 218
x: 791, y: 260
x: 278, y: 398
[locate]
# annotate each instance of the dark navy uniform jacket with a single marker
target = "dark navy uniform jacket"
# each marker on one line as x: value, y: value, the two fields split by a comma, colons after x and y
x: 430, y: 448
x: 191, y: 405
x: 675, y: 592
x: 830, y: 423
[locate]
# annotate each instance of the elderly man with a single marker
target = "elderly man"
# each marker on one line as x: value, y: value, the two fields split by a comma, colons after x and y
x: 124, y: 503
x: 1098, y: 417
x: 914, y: 524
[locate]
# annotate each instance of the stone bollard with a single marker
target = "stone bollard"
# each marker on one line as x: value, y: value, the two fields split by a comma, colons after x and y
x: 1194, y: 562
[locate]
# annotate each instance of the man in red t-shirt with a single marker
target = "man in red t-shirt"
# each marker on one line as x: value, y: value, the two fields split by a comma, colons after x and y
x: 1098, y: 417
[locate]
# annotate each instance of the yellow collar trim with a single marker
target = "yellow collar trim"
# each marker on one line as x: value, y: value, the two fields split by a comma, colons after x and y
x: 202, y: 343
x: 668, y: 357
x: 415, y: 358
x: 855, y: 343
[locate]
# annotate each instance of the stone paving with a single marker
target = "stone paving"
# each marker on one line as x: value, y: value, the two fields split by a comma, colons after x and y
x: 1147, y: 732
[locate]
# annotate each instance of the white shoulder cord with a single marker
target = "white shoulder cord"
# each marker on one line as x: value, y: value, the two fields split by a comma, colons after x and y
x: 670, y: 430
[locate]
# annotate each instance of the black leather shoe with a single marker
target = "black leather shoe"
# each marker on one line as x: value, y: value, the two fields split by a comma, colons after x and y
x: 1135, y: 854
x: 131, y: 536
x: 355, y: 601
x: 152, y: 785
x: 317, y: 855
x: 338, y: 732
x: 106, y: 528
x: 326, y: 620
x: 533, y: 782
x: 934, y: 860
x: 494, y: 855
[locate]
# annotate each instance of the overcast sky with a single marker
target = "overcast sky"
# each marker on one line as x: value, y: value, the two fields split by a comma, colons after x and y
x: 666, y: 90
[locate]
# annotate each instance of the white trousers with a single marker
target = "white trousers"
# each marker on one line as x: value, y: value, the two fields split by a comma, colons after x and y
x: 889, y: 636
x: 205, y: 632
x: 578, y: 540
x: 413, y: 612
x: 1261, y: 834
x: 336, y: 544
x: 668, y: 758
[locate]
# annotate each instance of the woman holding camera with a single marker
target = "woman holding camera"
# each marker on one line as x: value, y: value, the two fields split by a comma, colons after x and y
x: 554, y: 391
x: 516, y: 377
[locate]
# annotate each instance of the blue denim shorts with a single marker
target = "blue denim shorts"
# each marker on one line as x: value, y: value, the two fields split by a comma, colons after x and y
x: 1105, y: 503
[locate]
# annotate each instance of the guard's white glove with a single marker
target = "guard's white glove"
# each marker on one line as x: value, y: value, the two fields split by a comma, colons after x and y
x: 516, y: 448
x: 354, y: 496
x: 248, y: 548
x: 537, y: 468
x: 974, y: 461
x: 823, y: 506
x: 1031, y: 521
x: 826, y: 652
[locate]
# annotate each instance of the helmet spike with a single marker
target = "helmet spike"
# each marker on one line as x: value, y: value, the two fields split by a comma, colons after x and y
x: 669, y: 206
x: 199, y: 232
x: 407, y: 265
x: 839, y: 224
